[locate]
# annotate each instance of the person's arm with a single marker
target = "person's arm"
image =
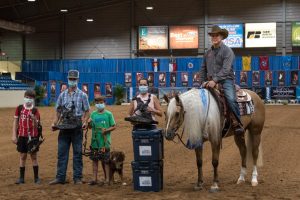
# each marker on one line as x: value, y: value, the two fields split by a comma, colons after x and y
x: 157, y: 108
x: 203, y: 70
x: 131, y: 109
x: 112, y: 124
x: 14, y: 131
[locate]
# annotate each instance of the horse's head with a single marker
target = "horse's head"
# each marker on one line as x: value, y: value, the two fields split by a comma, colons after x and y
x: 174, y: 116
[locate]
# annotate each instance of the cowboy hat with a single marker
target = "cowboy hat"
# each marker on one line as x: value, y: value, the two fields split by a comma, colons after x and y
x: 217, y: 30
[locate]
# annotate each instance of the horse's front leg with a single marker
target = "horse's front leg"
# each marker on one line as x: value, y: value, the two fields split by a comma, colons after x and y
x: 199, y: 184
x: 215, y: 162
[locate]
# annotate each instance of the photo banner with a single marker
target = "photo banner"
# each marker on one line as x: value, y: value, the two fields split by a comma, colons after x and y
x: 184, y: 37
x: 296, y: 33
x: 184, y: 79
x: 268, y: 78
x: 243, y: 78
x: 153, y: 37
x: 63, y: 87
x: 52, y: 91
x: 294, y: 78
x: 255, y: 78
x: 150, y: 79
x: 128, y: 79
x: 235, y: 36
x: 139, y: 76
x: 260, y: 35
x: 85, y: 88
x: 173, y: 79
x: 44, y: 85
x: 97, y: 91
x: 196, y: 79
x: 162, y: 79
x: 281, y: 78
x: 108, y: 90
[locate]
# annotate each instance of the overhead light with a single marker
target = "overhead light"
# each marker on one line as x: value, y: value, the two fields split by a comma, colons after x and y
x: 89, y: 19
x: 64, y: 10
x: 31, y: 0
x: 149, y: 8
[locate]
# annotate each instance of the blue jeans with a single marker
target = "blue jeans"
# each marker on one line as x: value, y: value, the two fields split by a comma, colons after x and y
x: 230, y: 95
x: 65, y: 138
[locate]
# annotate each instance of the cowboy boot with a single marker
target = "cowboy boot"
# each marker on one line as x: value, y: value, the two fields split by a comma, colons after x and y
x: 237, y: 127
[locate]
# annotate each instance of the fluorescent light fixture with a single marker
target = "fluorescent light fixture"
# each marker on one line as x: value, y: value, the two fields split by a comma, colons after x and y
x: 89, y: 19
x: 64, y: 10
x: 149, y: 8
x: 31, y: 0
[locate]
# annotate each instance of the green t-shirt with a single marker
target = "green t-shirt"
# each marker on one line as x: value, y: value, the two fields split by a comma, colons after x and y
x: 101, y: 120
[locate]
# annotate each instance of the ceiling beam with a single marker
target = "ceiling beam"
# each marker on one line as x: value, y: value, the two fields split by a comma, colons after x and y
x: 12, y: 26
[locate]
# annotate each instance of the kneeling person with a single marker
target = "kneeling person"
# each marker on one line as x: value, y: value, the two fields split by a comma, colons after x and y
x: 102, y: 123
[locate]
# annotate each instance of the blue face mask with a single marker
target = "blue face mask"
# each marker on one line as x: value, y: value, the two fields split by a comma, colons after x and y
x: 100, y: 106
x: 72, y: 83
x: 143, y: 89
x: 28, y: 101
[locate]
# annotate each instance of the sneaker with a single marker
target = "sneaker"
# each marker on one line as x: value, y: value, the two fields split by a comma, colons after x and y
x: 56, y: 181
x: 37, y: 181
x: 20, y: 181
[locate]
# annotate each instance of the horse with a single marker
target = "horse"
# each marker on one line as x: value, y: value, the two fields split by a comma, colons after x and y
x: 202, y: 120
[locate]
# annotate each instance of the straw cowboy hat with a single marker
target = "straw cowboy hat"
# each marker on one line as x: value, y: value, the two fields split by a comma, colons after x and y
x: 217, y: 30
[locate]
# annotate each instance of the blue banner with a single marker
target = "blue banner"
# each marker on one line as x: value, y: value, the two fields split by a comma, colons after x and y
x: 235, y: 36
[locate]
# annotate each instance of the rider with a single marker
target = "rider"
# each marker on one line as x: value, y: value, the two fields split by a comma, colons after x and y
x: 217, y: 68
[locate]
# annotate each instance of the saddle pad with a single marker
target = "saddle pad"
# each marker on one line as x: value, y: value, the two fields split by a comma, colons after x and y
x: 246, y: 108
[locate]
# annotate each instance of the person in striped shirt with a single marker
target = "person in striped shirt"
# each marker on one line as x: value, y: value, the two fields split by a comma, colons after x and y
x: 24, y: 130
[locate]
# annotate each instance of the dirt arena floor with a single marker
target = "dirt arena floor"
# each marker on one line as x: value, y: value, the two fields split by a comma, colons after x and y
x: 279, y: 178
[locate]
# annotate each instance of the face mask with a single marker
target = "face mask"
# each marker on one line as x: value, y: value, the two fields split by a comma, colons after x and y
x: 28, y: 101
x: 100, y: 106
x: 72, y: 83
x: 143, y: 89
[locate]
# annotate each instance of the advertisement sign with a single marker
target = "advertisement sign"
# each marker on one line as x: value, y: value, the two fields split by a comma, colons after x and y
x: 235, y: 36
x: 128, y: 79
x: 153, y: 37
x: 255, y: 78
x: 260, y: 35
x: 184, y: 37
x: 162, y: 79
x: 296, y: 33
x: 150, y: 79
x: 281, y: 78
x: 283, y: 92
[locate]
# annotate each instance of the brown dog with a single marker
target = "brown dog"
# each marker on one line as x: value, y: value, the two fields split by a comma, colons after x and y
x: 116, y: 165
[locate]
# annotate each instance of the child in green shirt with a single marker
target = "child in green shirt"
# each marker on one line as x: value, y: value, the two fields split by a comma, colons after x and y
x: 102, y: 123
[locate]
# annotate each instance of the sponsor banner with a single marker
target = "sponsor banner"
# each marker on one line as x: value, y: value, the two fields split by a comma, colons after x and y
x: 170, y: 92
x: 153, y: 37
x: 150, y: 79
x: 108, y: 90
x: 268, y: 78
x: 128, y: 79
x: 173, y: 79
x: 162, y: 79
x: 260, y: 35
x: 296, y: 33
x: 97, y: 90
x: 184, y: 37
x: 63, y: 87
x: 294, y: 78
x: 235, y: 36
x: 255, y: 78
x: 283, y: 92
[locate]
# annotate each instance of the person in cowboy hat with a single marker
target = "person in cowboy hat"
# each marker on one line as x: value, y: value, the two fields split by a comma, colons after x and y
x: 217, y: 68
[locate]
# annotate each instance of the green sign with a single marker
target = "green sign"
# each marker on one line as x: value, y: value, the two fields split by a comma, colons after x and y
x: 296, y: 33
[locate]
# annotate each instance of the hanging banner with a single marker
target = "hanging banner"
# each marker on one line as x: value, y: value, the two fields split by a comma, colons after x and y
x: 296, y: 33
x: 155, y: 64
x: 294, y: 78
x: 184, y: 37
x: 173, y: 79
x: 153, y: 37
x: 63, y: 87
x: 268, y: 78
x: 128, y: 79
x: 260, y: 35
x: 243, y: 78
x: 139, y: 76
x: 246, y: 63
x: 184, y: 79
x: 196, y: 79
x: 235, y: 35
x: 263, y: 63
x: 150, y: 79
x: 108, y: 90
x: 97, y: 91
x: 85, y: 88
x: 255, y: 78
x: 162, y: 79
x: 44, y: 85
x: 281, y: 78
x: 286, y: 62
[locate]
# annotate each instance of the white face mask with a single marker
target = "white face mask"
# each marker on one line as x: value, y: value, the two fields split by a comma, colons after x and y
x: 28, y: 102
x: 72, y: 83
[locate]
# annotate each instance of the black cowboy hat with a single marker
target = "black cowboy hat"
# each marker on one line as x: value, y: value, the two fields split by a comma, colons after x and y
x: 217, y: 30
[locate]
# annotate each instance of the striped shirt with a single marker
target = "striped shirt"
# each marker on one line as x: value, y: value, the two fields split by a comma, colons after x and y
x: 77, y: 97
x: 25, y: 123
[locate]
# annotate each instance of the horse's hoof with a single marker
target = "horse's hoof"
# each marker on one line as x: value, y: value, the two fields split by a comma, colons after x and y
x: 254, y: 183
x: 198, y: 187
x: 214, y: 189
x: 240, y: 181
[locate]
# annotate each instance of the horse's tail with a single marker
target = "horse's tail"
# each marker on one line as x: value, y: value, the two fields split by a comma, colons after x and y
x: 259, y: 162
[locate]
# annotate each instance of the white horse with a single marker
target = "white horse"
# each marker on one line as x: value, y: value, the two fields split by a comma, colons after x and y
x: 199, y: 113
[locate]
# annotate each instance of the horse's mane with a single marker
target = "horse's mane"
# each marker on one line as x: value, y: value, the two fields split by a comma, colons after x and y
x: 195, y: 103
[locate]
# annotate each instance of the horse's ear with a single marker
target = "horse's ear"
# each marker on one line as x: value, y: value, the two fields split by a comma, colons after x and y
x: 178, y: 101
x: 166, y: 99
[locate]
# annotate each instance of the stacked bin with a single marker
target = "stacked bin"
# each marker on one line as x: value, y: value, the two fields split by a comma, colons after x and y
x: 147, y: 167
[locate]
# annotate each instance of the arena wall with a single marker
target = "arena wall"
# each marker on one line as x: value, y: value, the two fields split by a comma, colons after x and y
x: 11, y: 98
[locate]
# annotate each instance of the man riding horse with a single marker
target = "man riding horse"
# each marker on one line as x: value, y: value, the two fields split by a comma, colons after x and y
x: 217, y: 68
